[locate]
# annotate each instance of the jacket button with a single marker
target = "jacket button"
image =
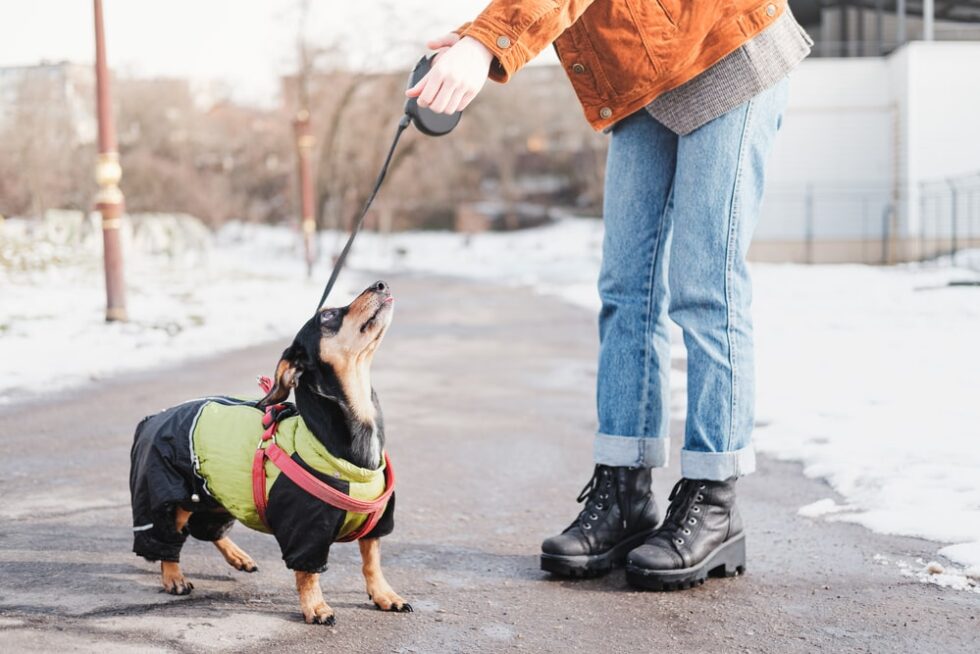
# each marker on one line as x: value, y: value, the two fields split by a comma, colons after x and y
x: 503, y: 42
x: 771, y: 10
x: 578, y: 68
x: 605, y: 112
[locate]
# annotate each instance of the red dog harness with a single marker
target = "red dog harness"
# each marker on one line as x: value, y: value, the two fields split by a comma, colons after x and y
x: 302, y: 478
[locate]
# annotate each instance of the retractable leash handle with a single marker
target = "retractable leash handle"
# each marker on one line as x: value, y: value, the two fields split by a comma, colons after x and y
x: 426, y: 121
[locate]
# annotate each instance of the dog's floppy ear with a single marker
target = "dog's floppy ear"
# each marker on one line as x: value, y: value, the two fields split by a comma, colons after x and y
x: 293, y: 363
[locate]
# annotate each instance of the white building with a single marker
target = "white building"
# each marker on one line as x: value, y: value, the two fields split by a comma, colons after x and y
x: 53, y: 91
x: 879, y: 156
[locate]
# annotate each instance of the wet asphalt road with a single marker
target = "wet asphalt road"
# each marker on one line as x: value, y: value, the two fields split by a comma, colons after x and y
x: 488, y: 399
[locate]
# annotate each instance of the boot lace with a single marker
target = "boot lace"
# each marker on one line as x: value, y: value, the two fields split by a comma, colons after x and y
x: 684, y: 510
x: 595, y: 494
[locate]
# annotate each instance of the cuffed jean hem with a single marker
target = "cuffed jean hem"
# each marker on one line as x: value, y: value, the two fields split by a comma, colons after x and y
x: 632, y: 451
x: 718, y: 466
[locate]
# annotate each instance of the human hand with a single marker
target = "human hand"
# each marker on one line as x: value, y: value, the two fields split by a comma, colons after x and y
x: 458, y: 73
x: 443, y: 43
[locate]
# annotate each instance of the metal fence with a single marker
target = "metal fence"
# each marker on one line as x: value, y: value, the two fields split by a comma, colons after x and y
x: 949, y: 216
x: 826, y: 223
x: 873, y: 224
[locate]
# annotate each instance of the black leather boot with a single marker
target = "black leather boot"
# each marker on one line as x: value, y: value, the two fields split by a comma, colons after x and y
x: 701, y: 536
x: 619, y: 514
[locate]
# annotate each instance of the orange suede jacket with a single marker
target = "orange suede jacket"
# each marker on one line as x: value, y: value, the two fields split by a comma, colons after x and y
x: 619, y: 54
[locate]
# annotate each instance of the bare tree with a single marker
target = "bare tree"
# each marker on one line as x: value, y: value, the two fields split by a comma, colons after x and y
x: 43, y: 163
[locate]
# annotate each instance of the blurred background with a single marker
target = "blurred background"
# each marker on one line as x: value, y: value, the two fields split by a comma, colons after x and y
x: 249, y: 133
x: 878, y: 161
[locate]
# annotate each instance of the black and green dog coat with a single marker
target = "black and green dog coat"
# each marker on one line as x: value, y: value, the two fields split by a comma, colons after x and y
x: 198, y: 455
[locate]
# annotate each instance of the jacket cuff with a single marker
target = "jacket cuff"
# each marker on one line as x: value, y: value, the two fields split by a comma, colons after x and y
x: 509, y: 55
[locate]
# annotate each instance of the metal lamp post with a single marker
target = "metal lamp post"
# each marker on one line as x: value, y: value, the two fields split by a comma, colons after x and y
x: 109, y: 199
x: 304, y: 150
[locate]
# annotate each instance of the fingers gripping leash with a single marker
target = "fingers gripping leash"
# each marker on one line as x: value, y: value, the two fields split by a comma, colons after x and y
x: 426, y: 121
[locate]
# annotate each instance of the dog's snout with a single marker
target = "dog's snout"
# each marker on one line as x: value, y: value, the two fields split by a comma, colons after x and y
x: 380, y: 287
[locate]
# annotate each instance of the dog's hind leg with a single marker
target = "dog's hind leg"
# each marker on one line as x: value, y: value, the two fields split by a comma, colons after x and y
x: 170, y: 575
x: 173, y: 579
x: 315, y: 609
x: 378, y: 589
x: 235, y: 556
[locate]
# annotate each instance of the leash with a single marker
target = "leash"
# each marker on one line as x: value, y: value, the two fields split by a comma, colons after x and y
x: 402, y: 126
x: 304, y: 479
x: 426, y: 121
x: 432, y: 124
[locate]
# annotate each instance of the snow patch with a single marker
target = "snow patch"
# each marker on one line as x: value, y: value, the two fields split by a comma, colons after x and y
x: 192, y: 302
x: 821, y: 508
x: 936, y: 574
x: 964, y: 553
x: 933, y: 572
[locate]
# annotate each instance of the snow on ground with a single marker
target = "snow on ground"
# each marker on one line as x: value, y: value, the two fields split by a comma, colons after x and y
x: 935, y: 573
x: 868, y: 376
x: 248, y: 286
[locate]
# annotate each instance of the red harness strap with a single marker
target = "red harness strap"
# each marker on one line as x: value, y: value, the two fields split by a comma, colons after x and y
x: 318, y: 489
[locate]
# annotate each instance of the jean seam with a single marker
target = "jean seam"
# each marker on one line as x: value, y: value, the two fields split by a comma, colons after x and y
x: 731, y: 249
x: 644, y: 407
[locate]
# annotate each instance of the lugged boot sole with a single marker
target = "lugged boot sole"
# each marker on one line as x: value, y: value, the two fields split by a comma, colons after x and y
x: 585, y: 566
x: 727, y: 560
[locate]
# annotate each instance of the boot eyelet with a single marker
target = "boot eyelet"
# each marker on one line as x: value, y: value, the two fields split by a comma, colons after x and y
x: 701, y: 487
x: 696, y: 509
x: 679, y: 541
x: 687, y: 532
x: 700, y: 497
x: 600, y: 506
x: 692, y: 521
x: 593, y: 516
x: 586, y: 526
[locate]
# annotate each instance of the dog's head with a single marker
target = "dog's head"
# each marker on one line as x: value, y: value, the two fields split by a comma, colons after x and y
x: 334, y: 349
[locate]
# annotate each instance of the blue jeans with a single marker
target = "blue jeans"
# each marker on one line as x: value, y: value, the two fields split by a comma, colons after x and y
x: 679, y: 215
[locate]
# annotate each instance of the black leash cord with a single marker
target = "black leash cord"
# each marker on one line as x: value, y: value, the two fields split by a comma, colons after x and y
x: 402, y: 126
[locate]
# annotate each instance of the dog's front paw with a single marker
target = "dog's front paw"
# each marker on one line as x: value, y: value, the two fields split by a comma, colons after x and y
x: 389, y: 600
x: 235, y: 556
x: 320, y: 614
x: 173, y: 580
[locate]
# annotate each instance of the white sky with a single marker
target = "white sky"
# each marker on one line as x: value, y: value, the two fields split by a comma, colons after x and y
x: 245, y: 43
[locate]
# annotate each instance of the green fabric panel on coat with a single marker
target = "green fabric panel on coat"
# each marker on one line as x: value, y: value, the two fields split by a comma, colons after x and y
x: 225, y: 439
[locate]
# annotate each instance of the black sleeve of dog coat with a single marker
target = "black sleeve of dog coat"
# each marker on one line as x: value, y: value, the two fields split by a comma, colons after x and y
x: 160, y: 541
x: 304, y: 526
x: 160, y: 478
x: 386, y: 524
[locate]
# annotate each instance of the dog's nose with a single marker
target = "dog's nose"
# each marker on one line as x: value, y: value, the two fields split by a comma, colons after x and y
x: 380, y: 287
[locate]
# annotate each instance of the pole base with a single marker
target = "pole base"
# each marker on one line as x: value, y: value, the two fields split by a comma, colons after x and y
x: 116, y: 314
